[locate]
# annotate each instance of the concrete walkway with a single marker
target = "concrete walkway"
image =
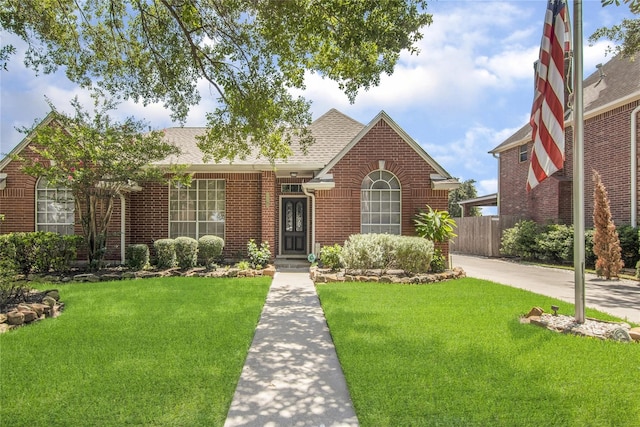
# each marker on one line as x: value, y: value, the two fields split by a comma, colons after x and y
x: 620, y: 298
x: 292, y: 376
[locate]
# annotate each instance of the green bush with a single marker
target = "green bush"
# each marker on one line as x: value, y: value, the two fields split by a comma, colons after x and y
x: 210, y: 249
x: 39, y: 251
x: 330, y: 257
x: 413, y: 254
x: 363, y: 252
x: 555, y: 243
x: 520, y: 240
x: 258, y: 256
x: 438, y: 262
x: 137, y: 256
x: 165, y: 253
x: 589, y: 256
x: 629, y: 244
x: 243, y: 265
x: 368, y: 252
x: 186, y: 252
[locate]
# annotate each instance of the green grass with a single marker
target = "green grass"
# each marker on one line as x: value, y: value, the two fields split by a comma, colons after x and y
x: 455, y: 354
x: 153, y: 352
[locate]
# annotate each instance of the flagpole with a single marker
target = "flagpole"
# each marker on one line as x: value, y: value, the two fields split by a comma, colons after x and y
x: 578, y: 163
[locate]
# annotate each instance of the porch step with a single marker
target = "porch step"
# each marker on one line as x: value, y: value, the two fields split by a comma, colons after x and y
x: 292, y: 264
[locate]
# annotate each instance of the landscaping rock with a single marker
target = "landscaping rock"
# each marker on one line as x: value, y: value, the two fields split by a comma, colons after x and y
x: 86, y: 277
x: 128, y: 275
x: 49, y: 301
x: 15, y: 318
x: 38, y: 308
x: 53, y: 293
x: 535, y: 311
x: 3, y: 318
x: 29, y: 315
x: 621, y: 335
x: 634, y: 333
x: 269, y: 271
x: 4, y: 328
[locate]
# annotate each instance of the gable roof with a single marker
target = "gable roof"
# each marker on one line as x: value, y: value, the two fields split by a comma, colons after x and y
x: 26, y: 140
x: 405, y: 137
x: 619, y: 86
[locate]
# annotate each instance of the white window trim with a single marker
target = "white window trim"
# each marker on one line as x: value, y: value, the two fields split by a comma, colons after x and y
x: 399, y: 202
x: 45, y: 225
x: 197, y: 222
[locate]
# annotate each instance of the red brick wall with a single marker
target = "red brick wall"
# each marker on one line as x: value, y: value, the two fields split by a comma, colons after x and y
x: 338, y: 210
x: 607, y: 149
x: 150, y: 212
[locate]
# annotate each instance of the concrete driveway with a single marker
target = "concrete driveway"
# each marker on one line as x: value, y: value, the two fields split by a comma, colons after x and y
x: 620, y: 298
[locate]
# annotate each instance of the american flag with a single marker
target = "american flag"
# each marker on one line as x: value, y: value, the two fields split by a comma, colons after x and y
x: 547, y: 112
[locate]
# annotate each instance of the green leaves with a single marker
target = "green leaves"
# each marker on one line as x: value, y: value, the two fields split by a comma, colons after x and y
x: 435, y: 225
x: 251, y: 54
x: 98, y: 160
x: 626, y: 35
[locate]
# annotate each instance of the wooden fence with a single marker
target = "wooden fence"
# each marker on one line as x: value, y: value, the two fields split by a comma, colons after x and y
x: 480, y: 235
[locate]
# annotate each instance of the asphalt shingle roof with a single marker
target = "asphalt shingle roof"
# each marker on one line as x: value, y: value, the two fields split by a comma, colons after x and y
x: 622, y: 79
x: 332, y: 132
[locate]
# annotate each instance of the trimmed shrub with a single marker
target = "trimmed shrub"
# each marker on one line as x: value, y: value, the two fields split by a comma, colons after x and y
x: 165, y: 253
x: 186, y: 252
x: 210, y: 249
x: 368, y: 252
x: 39, y: 251
x: 589, y: 256
x: 137, y: 256
x: 520, y: 240
x: 383, y: 251
x: 258, y: 256
x: 330, y: 257
x: 555, y: 243
x: 413, y: 254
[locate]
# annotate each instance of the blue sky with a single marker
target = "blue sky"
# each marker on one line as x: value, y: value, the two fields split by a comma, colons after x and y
x: 470, y: 87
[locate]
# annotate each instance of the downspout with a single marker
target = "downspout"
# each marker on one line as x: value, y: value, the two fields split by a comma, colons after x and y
x: 313, y: 218
x: 123, y: 228
x: 497, y: 157
x: 634, y: 166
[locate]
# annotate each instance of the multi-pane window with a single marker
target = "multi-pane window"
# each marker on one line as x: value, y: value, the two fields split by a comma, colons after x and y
x: 55, y: 208
x: 380, y: 203
x: 522, y: 153
x: 198, y: 210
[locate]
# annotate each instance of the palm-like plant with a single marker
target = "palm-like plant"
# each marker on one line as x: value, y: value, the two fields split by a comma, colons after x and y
x: 435, y: 225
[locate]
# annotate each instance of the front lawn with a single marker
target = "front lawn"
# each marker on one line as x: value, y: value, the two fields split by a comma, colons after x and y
x: 162, y: 352
x: 455, y: 354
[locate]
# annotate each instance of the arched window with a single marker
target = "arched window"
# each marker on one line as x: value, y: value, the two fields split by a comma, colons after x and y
x: 55, y: 208
x: 380, y: 203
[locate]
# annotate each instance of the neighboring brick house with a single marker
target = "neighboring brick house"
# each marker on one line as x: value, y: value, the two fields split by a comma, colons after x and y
x: 611, y: 146
x: 355, y: 179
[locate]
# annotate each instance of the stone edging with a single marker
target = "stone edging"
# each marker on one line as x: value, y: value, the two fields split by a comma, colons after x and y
x: 319, y: 275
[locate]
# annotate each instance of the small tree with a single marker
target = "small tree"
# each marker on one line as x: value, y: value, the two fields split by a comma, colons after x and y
x: 606, y: 244
x: 98, y: 160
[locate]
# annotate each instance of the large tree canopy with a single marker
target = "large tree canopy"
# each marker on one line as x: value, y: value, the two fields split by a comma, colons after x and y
x: 626, y: 34
x: 251, y: 52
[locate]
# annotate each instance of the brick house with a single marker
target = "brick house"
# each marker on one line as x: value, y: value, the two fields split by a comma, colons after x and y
x: 611, y: 146
x: 355, y: 179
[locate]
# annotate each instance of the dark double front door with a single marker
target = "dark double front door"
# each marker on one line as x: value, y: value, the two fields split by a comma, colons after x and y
x: 294, y: 226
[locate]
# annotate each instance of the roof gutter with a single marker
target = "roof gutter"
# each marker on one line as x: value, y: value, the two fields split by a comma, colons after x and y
x: 634, y: 166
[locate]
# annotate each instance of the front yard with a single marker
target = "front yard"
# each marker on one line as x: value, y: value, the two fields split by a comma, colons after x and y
x: 455, y: 354
x: 164, y: 352
x: 169, y: 352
